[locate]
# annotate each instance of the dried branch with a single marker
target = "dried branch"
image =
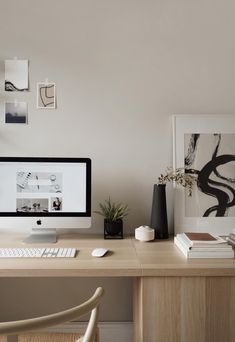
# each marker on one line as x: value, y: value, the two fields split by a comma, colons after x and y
x: 179, y: 176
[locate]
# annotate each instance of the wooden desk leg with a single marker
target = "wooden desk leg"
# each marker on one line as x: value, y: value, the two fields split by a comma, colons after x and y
x: 137, y: 310
x: 182, y: 309
x: 156, y: 314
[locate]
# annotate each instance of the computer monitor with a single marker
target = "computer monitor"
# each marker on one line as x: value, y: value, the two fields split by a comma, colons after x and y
x: 45, y: 194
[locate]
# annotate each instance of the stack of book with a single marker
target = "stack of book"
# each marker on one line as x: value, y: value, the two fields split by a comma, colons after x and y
x: 231, y: 239
x: 203, y: 245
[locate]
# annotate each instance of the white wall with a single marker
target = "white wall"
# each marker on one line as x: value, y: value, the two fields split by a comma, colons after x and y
x: 122, y: 67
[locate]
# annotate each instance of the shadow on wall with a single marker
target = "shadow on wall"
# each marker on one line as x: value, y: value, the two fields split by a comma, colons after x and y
x: 35, y: 297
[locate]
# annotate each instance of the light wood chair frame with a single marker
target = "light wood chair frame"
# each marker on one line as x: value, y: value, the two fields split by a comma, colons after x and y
x: 12, y: 329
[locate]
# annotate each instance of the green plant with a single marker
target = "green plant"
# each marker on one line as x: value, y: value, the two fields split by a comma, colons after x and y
x: 179, y: 176
x: 112, y: 211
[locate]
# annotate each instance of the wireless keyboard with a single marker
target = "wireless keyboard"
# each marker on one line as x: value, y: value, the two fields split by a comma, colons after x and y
x: 37, y: 252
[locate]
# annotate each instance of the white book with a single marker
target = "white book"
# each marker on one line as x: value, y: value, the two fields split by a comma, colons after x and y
x: 217, y: 242
x: 204, y: 247
x: 192, y: 254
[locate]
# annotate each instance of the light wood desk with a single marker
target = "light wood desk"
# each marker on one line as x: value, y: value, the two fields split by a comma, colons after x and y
x: 175, y: 299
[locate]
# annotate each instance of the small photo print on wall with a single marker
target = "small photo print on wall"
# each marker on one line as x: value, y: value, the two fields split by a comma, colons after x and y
x: 16, y: 75
x: 16, y: 112
x: 46, y: 95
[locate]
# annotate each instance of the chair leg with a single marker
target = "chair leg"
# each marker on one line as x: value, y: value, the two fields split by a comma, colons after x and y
x: 12, y: 338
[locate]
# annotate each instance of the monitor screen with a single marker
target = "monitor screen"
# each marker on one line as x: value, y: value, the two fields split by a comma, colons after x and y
x: 43, y: 195
x: 45, y: 187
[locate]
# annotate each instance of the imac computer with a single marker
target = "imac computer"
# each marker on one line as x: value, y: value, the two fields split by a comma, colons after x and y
x: 45, y: 194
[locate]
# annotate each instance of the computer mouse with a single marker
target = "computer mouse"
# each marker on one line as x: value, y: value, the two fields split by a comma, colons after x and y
x: 99, y: 252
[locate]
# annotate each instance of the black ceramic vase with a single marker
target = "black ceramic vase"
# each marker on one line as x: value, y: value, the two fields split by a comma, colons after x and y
x: 113, y: 229
x: 159, y: 212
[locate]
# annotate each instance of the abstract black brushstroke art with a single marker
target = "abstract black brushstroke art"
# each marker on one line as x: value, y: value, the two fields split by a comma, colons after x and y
x: 46, y: 95
x: 212, y: 158
x: 16, y: 75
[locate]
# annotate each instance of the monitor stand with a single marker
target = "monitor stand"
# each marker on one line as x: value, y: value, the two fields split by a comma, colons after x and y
x: 42, y: 236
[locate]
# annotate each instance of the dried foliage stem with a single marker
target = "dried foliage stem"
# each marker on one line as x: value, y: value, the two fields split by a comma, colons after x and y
x: 179, y: 176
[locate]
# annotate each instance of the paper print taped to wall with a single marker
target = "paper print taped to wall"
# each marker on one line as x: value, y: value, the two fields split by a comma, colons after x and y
x: 16, y: 75
x: 16, y: 112
x: 212, y: 158
x: 46, y: 96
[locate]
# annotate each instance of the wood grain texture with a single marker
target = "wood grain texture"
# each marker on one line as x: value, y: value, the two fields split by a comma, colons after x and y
x: 218, y: 298
x: 163, y: 258
x: 193, y: 309
x: 160, y: 313
x: 137, y: 309
x: 183, y: 309
x: 232, y: 311
x: 127, y: 258
x: 121, y: 261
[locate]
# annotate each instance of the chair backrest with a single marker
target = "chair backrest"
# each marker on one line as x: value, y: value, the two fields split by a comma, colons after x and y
x: 32, y: 324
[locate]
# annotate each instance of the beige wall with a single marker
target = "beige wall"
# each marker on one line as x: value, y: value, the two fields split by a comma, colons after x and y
x: 122, y: 68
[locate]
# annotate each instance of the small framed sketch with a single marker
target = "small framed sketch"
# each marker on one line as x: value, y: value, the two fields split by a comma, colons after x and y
x: 16, y: 112
x: 205, y: 146
x: 46, y: 95
x: 16, y: 75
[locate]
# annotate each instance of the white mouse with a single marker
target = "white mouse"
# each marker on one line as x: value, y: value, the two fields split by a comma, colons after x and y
x: 99, y: 252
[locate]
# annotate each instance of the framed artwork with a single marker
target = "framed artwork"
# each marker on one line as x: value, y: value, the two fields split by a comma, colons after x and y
x: 16, y: 75
x: 46, y: 95
x: 205, y: 146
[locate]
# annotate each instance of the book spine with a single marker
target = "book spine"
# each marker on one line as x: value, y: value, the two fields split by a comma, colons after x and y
x: 219, y: 243
x: 184, y: 239
x: 232, y: 236
x: 204, y: 255
x: 194, y: 254
x: 181, y: 247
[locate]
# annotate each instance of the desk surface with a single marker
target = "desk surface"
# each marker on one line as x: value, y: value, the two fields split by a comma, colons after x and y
x: 127, y: 258
x: 120, y: 261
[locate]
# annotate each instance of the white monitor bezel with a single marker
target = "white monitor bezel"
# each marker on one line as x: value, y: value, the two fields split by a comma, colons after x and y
x: 51, y: 220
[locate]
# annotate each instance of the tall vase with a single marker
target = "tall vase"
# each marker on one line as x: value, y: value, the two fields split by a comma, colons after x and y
x: 159, y: 212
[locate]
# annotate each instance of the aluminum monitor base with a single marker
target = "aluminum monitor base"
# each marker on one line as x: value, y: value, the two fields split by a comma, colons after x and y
x: 42, y: 236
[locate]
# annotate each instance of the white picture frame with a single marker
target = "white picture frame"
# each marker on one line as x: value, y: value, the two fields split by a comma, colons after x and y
x: 201, y: 124
x: 46, y: 95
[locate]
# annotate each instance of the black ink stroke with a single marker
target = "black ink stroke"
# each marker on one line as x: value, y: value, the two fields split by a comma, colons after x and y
x: 45, y: 96
x: 204, y: 182
x: 192, y: 149
x: 9, y: 86
x: 216, y: 172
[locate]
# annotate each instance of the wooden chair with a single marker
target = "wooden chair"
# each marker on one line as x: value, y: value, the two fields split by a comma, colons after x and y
x: 12, y: 329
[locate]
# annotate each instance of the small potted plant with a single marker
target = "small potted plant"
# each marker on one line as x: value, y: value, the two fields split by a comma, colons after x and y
x: 113, y: 214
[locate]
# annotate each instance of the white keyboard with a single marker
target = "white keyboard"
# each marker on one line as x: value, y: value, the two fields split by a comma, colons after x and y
x: 37, y: 252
